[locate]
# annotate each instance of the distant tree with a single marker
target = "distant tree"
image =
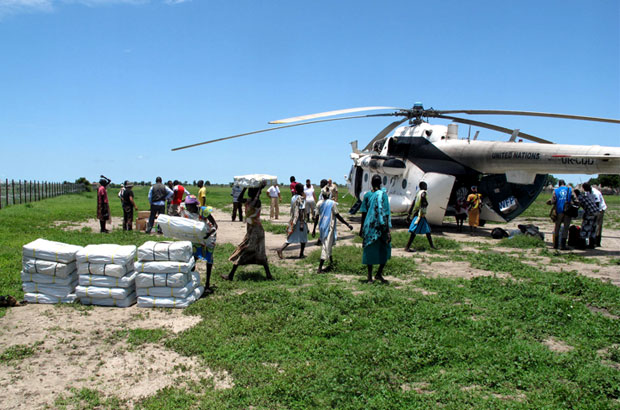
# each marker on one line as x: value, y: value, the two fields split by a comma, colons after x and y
x: 551, y: 180
x: 83, y: 181
x: 208, y: 183
x: 611, y: 181
x: 194, y: 183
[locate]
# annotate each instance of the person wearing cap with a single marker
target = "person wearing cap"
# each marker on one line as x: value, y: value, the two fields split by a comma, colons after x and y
x: 128, y: 206
x: 103, y: 206
x: 474, y: 201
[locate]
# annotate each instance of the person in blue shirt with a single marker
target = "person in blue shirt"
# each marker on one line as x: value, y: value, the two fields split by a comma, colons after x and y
x: 561, y: 200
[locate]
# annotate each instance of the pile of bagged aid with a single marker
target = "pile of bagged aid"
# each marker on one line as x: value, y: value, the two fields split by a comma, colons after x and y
x: 166, y: 275
x: 49, y: 272
x: 106, y: 275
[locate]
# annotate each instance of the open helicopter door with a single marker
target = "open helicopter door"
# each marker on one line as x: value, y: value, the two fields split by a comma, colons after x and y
x: 439, y: 189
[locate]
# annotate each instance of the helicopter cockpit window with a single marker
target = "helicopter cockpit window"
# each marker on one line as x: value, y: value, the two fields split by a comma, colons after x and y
x: 378, y: 145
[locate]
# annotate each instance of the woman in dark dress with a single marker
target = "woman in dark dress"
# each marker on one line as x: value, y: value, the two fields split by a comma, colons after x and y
x: 251, y: 250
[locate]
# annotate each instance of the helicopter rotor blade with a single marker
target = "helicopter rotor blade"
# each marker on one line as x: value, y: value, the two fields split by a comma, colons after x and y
x: 278, y: 128
x: 384, y: 132
x: 329, y: 114
x: 494, y: 128
x: 526, y: 113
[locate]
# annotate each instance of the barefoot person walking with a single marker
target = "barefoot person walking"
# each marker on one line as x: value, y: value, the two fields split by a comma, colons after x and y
x: 375, y: 229
x: 419, y: 225
x: 328, y: 214
x: 251, y: 250
x: 297, y: 229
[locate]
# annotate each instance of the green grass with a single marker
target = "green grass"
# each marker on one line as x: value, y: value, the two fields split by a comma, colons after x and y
x: 522, y: 242
x: 17, y: 353
x: 88, y: 399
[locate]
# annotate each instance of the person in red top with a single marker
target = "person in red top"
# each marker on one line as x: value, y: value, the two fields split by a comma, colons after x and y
x: 292, y: 186
x: 103, y: 206
x: 177, y: 198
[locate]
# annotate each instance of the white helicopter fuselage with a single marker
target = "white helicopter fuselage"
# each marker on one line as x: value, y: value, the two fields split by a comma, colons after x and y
x: 434, y: 154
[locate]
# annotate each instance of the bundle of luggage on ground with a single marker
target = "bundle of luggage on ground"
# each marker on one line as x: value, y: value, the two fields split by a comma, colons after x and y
x: 167, y: 275
x: 49, y: 272
x: 107, y: 274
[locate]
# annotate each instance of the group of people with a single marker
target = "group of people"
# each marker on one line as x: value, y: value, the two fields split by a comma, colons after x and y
x: 305, y: 209
x: 566, y: 203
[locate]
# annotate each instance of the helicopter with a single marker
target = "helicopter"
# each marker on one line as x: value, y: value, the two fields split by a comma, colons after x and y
x: 509, y: 174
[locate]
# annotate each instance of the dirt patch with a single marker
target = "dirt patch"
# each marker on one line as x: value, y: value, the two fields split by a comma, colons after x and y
x: 418, y: 387
x: 557, y: 346
x: 458, y: 269
x: 80, y: 348
x: 602, y: 311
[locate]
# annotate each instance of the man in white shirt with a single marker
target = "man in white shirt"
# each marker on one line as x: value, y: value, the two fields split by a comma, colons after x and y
x: 274, y: 195
x: 310, y: 200
x: 602, y: 206
x: 333, y: 189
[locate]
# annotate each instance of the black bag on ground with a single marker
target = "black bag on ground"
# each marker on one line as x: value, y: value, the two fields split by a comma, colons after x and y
x: 574, y: 237
x: 531, y: 230
x: 499, y: 233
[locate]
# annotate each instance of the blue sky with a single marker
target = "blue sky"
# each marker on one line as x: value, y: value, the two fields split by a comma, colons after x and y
x: 110, y: 86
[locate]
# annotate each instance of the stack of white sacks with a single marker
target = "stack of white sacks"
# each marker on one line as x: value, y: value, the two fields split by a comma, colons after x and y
x: 106, y: 275
x: 166, y: 275
x: 49, y: 272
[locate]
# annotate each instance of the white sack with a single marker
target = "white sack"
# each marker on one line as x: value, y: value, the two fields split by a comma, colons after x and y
x: 165, y: 251
x: 152, y: 301
x: 128, y: 301
x: 51, y: 251
x: 62, y: 270
x: 104, y: 269
x: 168, y: 280
x: 57, y: 291
x: 182, y: 292
x: 165, y: 266
x: 107, y: 253
x: 254, y: 180
x: 183, y: 229
x: 100, y: 292
x: 48, y: 279
x: 42, y: 298
x: 127, y: 281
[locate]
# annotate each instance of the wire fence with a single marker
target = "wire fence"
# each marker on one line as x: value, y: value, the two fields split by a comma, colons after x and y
x: 20, y: 192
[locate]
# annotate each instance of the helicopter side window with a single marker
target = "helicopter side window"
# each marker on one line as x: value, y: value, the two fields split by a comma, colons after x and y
x: 404, y: 184
x: 365, y: 176
x: 384, y: 180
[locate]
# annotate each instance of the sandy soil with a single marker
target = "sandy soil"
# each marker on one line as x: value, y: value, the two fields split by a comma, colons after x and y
x: 81, y: 348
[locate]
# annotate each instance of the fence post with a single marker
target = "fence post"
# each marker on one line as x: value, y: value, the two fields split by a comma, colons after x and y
x: 13, y: 190
x: 6, y: 186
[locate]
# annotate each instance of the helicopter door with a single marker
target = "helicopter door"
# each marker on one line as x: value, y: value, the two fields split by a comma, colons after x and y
x: 439, y: 189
